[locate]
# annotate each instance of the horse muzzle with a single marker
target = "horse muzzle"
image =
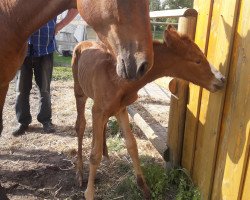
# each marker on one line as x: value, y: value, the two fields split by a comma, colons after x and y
x: 130, y: 70
x: 217, y: 84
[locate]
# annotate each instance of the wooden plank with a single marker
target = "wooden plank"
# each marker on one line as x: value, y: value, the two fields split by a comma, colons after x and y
x: 246, y: 190
x: 233, y: 154
x: 177, y: 111
x: 176, y: 123
x: 204, y: 9
x: 219, y: 51
x: 152, y: 132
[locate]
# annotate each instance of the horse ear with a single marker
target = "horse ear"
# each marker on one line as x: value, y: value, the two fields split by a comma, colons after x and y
x: 171, y: 27
x: 170, y: 35
x: 168, y: 38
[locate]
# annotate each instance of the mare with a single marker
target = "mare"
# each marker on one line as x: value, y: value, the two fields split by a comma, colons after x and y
x: 95, y: 77
x: 109, y: 18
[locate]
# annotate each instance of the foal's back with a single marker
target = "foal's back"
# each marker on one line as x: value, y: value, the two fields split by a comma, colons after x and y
x: 94, y: 70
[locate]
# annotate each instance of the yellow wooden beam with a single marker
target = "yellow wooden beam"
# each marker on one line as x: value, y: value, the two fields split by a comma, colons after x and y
x: 231, y: 176
x: 221, y: 35
x: 204, y: 9
x: 246, y: 186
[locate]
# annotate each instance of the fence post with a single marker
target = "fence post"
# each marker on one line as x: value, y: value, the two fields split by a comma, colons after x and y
x: 178, y: 104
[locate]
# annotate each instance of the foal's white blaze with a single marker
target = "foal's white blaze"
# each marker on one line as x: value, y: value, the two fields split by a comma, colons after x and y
x: 216, y: 73
x: 218, y: 81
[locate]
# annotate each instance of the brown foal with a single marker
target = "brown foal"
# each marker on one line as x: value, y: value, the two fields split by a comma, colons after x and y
x: 95, y: 77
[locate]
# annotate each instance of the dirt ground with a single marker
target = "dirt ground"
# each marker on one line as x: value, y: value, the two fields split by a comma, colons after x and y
x: 42, y: 166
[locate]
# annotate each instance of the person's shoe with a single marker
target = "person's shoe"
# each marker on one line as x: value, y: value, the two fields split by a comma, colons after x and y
x: 48, y: 127
x: 20, y: 130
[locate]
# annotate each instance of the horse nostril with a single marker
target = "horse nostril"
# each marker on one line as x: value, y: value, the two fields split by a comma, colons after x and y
x: 142, y: 69
x: 223, y: 79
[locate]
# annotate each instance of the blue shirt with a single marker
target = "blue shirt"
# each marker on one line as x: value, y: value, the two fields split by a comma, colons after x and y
x: 42, y: 42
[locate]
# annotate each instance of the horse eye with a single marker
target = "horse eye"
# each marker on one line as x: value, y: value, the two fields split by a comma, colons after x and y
x: 198, y: 61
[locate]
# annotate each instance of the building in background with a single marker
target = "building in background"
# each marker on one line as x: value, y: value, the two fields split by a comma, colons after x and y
x: 76, y: 31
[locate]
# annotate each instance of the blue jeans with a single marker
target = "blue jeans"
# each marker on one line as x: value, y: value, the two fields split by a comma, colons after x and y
x: 42, y: 68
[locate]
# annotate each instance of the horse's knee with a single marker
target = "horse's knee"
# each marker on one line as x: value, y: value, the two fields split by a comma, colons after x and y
x: 95, y: 157
x: 80, y: 125
x: 131, y: 143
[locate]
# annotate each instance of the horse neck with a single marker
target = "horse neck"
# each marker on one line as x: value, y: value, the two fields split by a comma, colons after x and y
x: 164, y: 65
x: 31, y: 15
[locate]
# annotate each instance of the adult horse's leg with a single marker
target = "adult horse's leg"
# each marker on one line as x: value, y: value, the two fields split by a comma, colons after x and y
x: 3, y: 92
x: 131, y: 145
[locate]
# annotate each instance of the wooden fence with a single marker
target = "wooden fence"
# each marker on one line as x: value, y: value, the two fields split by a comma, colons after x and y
x: 209, y: 134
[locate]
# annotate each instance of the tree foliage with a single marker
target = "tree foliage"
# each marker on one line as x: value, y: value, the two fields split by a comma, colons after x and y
x: 176, y: 4
x: 155, y: 5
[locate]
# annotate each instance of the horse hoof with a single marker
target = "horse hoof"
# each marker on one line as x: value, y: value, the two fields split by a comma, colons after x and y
x: 147, y: 194
x: 143, y: 186
x: 106, y: 160
x: 88, y: 196
x: 79, y: 178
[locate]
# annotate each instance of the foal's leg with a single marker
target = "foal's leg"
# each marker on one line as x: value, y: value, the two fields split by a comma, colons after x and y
x: 131, y: 145
x: 80, y: 128
x: 99, y: 122
x: 3, y: 92
x: 105, y: 148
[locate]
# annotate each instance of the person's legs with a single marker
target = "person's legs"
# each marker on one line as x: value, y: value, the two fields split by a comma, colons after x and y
x: 23, y: 87
x: 43, y: 75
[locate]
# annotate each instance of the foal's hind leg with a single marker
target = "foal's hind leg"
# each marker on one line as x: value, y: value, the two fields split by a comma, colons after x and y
x: 105, y: 148
x: 131, y: 145
x: 80, y: 128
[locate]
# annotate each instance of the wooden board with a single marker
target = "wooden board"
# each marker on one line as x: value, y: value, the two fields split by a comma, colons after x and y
x: 219, y: 51
x: 204, y: 9
x: 177, y: 113
x: 233, y: 156
x: 246, y: 190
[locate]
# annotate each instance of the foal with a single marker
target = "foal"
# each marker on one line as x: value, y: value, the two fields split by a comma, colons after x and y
x: 95, y: 77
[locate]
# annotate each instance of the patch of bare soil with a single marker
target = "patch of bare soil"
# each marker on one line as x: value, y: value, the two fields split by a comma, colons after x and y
x: 42, y: 166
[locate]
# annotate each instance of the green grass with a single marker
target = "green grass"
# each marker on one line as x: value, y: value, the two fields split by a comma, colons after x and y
x: 60, y: 60
x: 156, y: 179
x: 62, y: 73
x: 181, y: 181
x: 62, y: 68
x: 113, y: 127
x: 115, y: 143
x: 163, y: 184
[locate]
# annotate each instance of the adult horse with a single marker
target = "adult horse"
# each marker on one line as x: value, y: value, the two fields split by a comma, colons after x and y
x: 122, y: 25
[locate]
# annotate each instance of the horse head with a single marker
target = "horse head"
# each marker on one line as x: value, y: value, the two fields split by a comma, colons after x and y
x: 192, y: 64
x: 124, y: 27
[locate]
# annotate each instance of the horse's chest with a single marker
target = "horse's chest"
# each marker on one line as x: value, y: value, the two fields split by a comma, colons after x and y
x: 129, y: 99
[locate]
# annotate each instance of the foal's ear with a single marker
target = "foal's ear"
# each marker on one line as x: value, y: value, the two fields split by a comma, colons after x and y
x: 170, y: 27
x: 170, y: 35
